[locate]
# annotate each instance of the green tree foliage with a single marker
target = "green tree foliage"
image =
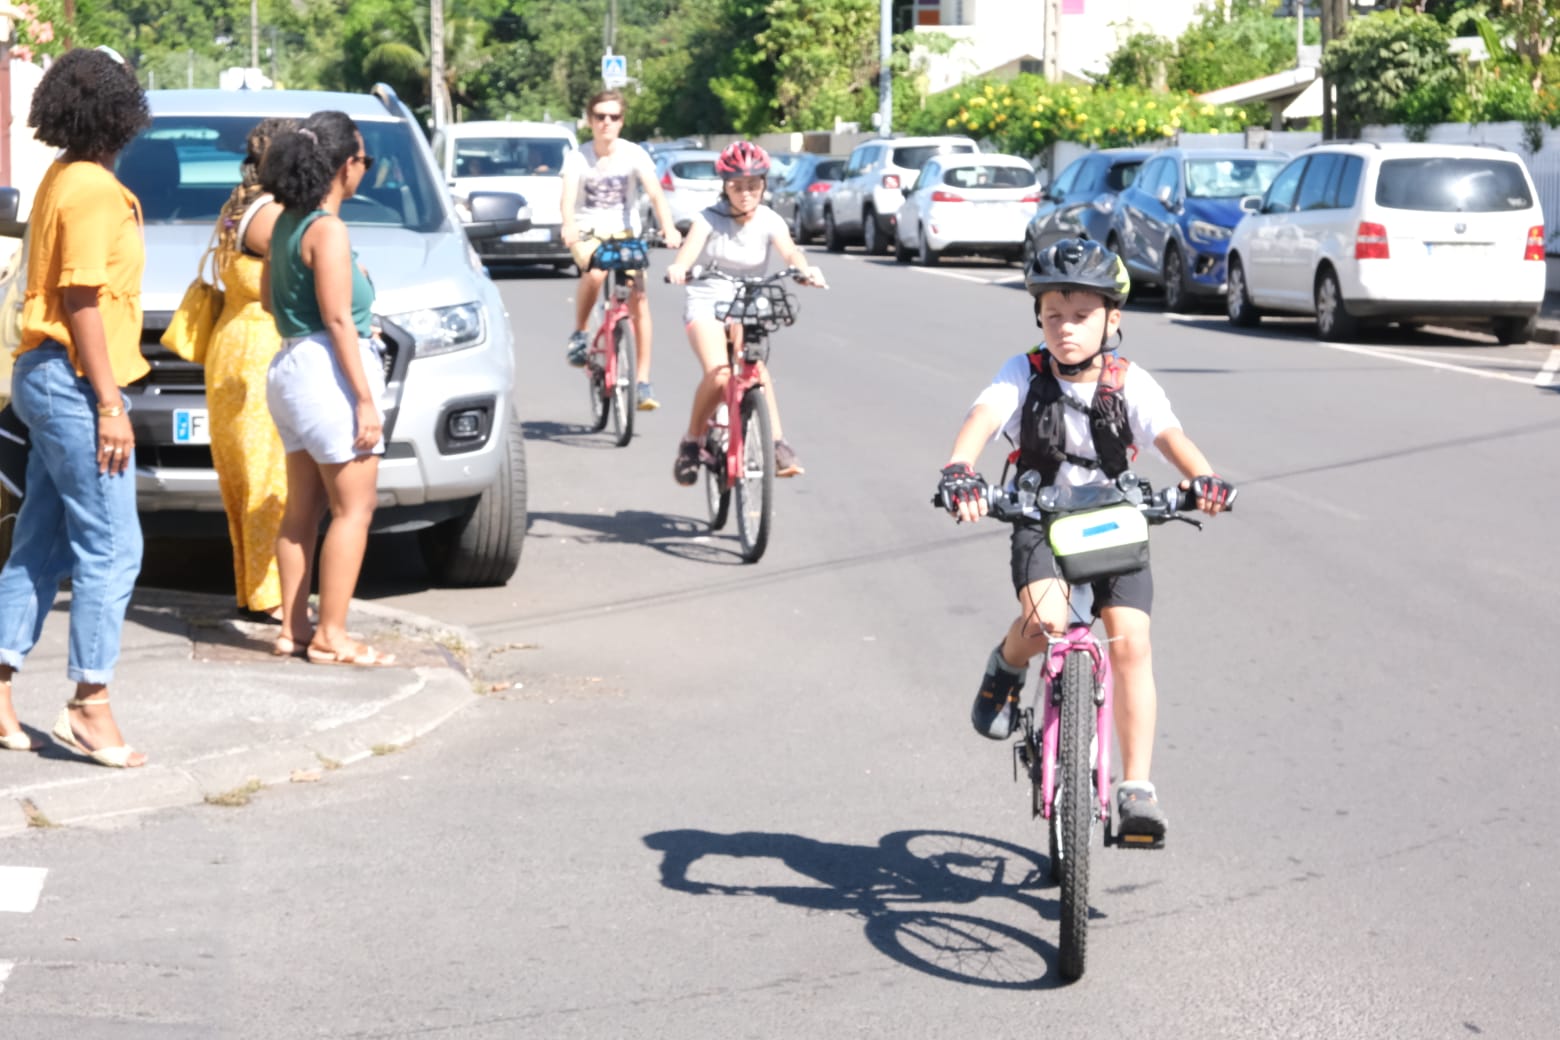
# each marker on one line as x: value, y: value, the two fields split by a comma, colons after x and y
x: 1143, y: 60
x: 1393, y: 67
x: 823, y: 53
x: 1216, y: 51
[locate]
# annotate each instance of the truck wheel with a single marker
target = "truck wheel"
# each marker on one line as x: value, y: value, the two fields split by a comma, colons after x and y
x: 482, y: 545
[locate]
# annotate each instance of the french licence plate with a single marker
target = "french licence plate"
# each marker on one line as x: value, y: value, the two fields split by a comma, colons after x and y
x: 540, y: 234
x: 189, y: 426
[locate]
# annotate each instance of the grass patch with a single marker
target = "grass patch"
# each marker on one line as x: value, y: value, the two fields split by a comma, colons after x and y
x: 386, y: 749
x: 326, y: 762
x: 35, y: 816
x: 238, y: 796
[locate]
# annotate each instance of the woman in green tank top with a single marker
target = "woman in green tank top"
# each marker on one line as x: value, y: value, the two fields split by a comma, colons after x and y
x: 324, y: 386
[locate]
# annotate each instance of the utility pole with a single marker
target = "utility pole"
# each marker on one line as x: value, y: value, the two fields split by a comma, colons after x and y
x: 1051, y: 60
x: 1334, y: 14
x: 8, y: 18
x: 254, y: 34
x: 885, y: 60
x: 609, y: 39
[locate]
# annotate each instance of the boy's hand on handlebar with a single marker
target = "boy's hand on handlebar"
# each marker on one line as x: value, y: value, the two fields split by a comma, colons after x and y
x: 677, y: 274
x: 570, y: 235
x: 963, y: 492
x: 814, y: 277
x: 1214, y: 493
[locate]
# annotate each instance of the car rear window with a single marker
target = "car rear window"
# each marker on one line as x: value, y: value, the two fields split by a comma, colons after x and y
x: 1120, y: 176
x: 989, y: 177
x: 832, y: 170
x: 913, y: 157
x: 1447, y: 185
x: 1230, y: 178
x: 509, y: 156
x: 695, y: 170
x: 183, y: 168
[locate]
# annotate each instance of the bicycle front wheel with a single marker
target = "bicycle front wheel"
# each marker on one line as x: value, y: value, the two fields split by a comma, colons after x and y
x: 625, y: 399
x: 756, y: 483
x: 1075, y: 807
x: 717, y: 496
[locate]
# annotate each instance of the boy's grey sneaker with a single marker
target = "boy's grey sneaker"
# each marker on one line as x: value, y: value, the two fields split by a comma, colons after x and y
x: 1139, y: 820
x: 579, y: 343
x: 995, y: 712
x: 646, y: 394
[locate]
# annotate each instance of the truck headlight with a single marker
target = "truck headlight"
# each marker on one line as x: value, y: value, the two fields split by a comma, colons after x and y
x: 441, y: 330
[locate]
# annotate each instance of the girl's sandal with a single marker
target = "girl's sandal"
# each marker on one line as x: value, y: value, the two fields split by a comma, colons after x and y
x: 18, y: 741
x: 116, y: 757
x: 364, y: 656
x: 287, y: 646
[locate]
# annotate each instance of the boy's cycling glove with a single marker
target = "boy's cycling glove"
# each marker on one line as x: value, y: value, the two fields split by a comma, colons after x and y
x: 960, y: 484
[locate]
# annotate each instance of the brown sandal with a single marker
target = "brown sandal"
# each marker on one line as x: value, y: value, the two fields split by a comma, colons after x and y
x: 363, y: 656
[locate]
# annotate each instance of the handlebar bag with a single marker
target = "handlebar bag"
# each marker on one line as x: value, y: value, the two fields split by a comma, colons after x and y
x: 1099, y: 543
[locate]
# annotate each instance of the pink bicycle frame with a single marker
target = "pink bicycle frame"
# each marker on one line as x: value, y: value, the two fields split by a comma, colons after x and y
x: 1080, y: 637
x: 604, y: 344
x: 743, y: 378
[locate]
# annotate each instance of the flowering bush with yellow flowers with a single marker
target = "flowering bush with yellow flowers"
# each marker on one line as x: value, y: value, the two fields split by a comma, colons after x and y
x: 1027, y: 114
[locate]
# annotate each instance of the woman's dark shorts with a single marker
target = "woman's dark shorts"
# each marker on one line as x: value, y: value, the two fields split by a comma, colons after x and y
x: 1032, y: 562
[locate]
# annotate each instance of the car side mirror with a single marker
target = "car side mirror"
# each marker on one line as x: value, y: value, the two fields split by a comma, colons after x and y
x: 1251, y: 203
x: 1166, y: 196
x: 907, y: 190
x: 10, y: 205
x: 497, y: 213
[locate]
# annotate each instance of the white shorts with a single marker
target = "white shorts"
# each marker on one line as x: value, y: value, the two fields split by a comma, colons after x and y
x: 312, y: 402
x: 702, y: 298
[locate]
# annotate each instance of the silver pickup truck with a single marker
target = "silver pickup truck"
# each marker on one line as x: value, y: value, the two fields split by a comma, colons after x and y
x: 454, y: 464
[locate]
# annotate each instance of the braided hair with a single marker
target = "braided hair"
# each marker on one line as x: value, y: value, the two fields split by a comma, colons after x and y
x: 249, y: 188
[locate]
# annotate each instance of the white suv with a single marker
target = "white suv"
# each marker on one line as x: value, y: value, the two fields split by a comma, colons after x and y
x: 862, y: 206
x: 522, y: 158
x: 1358, y: 232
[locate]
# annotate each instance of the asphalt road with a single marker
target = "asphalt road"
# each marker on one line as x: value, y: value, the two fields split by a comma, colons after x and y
x: 744, y: 801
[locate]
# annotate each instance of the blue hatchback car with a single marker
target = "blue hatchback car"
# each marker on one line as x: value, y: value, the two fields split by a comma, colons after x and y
x: 1173, y: 224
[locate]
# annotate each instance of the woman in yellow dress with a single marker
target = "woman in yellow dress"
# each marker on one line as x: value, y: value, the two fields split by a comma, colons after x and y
x: 245, y: 447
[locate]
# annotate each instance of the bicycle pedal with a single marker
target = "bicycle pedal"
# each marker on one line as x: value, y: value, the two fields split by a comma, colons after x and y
x: 1139, y: 841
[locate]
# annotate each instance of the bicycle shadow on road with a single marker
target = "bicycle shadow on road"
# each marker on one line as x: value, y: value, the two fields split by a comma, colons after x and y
x: 681, y: 536
x: 897, y: 887
x: 572, y: 435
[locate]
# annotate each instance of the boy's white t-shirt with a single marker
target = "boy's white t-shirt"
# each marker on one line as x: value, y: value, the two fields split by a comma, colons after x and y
x: 609, y: 186
x: 1148, y: 413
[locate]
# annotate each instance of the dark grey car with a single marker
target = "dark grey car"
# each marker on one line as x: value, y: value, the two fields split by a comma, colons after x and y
x: 798, y: 196
x: 1079, y: 202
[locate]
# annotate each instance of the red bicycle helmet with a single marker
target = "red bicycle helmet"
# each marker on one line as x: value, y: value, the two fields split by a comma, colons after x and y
x: 743, y: 159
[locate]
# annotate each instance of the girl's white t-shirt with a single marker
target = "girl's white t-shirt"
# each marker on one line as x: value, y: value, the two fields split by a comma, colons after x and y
x: 1148, y: 413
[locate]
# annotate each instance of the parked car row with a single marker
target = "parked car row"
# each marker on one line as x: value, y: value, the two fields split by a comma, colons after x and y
x: 1353, y: 233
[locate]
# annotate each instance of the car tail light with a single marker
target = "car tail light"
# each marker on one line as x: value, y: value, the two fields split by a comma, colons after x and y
x: 1030, y: 198
x: 891, y: 180
x: 946, y: 196
x: 819, y: 187
x: 1535, y: 243
x: 666, y: 181
x: 1370, y: 242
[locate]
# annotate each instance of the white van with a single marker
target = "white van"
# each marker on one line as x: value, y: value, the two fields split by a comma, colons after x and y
x: 520, y: 157
x: 1357, y: 232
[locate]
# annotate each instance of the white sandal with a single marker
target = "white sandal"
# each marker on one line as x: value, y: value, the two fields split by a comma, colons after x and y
x: 65, y: 734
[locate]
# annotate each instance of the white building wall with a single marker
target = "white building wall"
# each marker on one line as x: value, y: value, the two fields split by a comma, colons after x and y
x: 994, y: 33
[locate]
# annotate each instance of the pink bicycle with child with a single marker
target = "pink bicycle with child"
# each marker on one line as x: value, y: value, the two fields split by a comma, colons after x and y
x: 1096, y: 532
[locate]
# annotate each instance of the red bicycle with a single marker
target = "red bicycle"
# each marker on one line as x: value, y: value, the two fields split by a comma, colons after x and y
x: 740, y: 456
x: 613, y: 355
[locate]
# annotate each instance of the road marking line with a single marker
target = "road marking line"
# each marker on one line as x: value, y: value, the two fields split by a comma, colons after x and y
x: 1426, y: 363
x: 1546, y: 375
x: 953, y: 274
x: 20, y: 888
x: 5, y: 973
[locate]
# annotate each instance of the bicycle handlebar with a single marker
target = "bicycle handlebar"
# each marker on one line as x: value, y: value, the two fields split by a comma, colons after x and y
x: 699, y: 273
x: 1027, y: 502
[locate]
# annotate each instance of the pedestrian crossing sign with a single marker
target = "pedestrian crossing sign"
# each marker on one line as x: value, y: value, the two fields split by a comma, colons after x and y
x: 614, y: 70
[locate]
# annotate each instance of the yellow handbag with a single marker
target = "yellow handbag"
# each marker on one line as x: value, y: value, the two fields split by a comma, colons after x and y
x: 189, y: 331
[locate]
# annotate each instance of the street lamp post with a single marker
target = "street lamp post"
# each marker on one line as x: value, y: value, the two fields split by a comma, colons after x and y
x: 885, y: 77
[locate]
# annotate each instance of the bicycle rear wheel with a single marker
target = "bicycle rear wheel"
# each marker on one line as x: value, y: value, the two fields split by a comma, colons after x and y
x: 717, y: 495
x: 1075, y: 807
x: 600, y: 398
x: 625, y: 399
x: 756, y: 484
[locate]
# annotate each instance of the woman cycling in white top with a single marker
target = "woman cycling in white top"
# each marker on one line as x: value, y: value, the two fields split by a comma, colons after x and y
x: 736, y: 235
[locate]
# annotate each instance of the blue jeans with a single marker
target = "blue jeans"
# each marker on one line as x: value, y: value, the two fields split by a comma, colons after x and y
x: 74, y: 522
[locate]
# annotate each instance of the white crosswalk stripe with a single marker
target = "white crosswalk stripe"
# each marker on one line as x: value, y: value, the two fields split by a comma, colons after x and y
x: 20, y: 888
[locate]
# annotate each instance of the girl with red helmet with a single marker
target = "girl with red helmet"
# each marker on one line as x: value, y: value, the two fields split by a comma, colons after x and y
x: 738, y: 235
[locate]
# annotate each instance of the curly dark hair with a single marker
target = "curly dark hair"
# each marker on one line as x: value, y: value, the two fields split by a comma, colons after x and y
x: 249, y: 189
x: 300, y: 164
x: 89, y: 104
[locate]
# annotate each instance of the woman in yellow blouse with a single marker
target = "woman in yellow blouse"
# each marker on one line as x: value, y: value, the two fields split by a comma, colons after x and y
x: 81, y: 342
x: 245, y: 447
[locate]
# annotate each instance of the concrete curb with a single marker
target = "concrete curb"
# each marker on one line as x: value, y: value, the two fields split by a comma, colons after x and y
x: 413, y: 709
